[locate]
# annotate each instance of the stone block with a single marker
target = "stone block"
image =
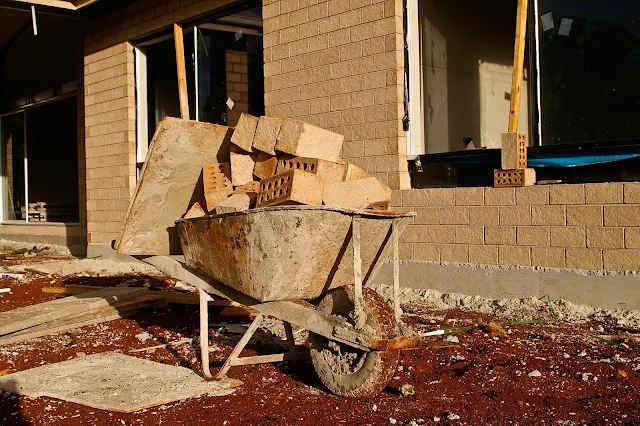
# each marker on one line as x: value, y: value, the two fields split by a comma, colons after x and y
x: 266, y: 134
x: 499, y: 196
x: 454, y: 215
x: 455, y: 253
x: 245, y: 131
x: 469, y: 234
x: 533, y: 236
x: 632, y: 192
x: 550, y: 257
x: 515, y: 215
x: 292, y: 187
x: 622, y: 215
x: 514, y: 150
x: 532, y: 195
x: 519, y: 256
x: 568, y: 236
x: 328, y: 171
x: 198, y: 209
x: 548, y: 215
x: 242, y: 166
x: 604, y: 193
x: 306, y: 140
x: 622, y: 260
x: 426, y: 252
x: 566, y: 194
x: 469, y: 196
x: 632, y: 238
x: 216, y: 179
x: 584, y: 258
x: 500, y: 235
x: 427, y: 216
x: 485, y: 255
x: 235, y: 203
x: 356, y: 194
x: 484, y: 216
x: 585, y: 215
x: 505, y: 178
x: 607, y: 238
x: 353, y: 172
x: 440, y: 234
x: 266, y: 166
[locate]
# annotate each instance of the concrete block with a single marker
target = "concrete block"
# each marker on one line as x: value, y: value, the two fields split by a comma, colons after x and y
x: 622, y: 215
x: 198, y: 209
x: 469, y: 196
x: 293, y: 187
x: 414, y: 197
x: 632, y: 192
x: 500, y: 235
x: 632, y: 238
x: 584, y: 258
x: 505, y: 178
x: 568, y: 236
x: 266, y: 166
x: 416, y: 234
x: 484, y: 216
x: 469, y: 234
x: 267, y: 134
x: 235, y: 203
x: 454, y: 215
x: 438, y: 197
x: 566, y: 194
x: 216, y: 179
x: 622, y: 260
x: 439, y: 234
x: 532, y: 195
x: 548, y: 215
x: 515, y: 215
x: 585, y: 215
x: 550, y: 257
x: 484, y: 255
x: 353, y: 172
x: 604, y: 193
x: 533, y: 236
x: 514, y: 150
x: 499, y: 196
x: 607, y: 238
x: 426, y: 252
x: 328, y: 171
x: 427, y: 216
x: 306, y: 140
x: 455, y: 253
x: 356, y: 194
x: 242, y: 166
x: 519, y: 256
x: 245, y: 131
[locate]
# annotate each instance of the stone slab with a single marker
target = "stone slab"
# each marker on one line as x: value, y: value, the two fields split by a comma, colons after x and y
x: 353, y: 172
x: 357, y: 194
x: 114, y: 382
x: 170, y: 182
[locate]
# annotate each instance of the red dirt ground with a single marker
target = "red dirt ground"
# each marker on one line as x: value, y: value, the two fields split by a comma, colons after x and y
x: 481, y: 380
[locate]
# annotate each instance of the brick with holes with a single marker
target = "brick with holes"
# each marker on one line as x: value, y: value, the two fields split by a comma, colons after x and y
x: 216, y: 179
x: 235, y: 203
x: 357, y: 194
x: 306, y: 140
x: 293, y: 187
x: 328, y: 171
x: 514, y: 177
x: 267, y: 134
x: 514, y: 151
x: 245, y: 131
x: 266, y: 166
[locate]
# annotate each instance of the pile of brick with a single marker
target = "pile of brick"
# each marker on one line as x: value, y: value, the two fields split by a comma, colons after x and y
x: 277, y: 161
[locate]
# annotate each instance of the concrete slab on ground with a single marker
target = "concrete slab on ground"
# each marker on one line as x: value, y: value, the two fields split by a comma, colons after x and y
x: 115, y: 382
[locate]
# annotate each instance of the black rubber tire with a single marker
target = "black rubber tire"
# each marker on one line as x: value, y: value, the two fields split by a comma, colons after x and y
x: 374, y: 369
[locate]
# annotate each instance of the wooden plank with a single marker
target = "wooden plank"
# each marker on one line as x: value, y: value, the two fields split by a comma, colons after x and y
x: 518, y: 65
x: 222, y: 373
x: 203, y: 298
x: 182, y: 71
x: 30, y: 316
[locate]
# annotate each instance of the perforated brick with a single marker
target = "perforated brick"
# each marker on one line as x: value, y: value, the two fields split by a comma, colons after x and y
x: 514, y: 151
x: 514, y: 177
x: 328, y: 171
x: 267, y: 134
x: 216, y: 179
x: 292, y: 187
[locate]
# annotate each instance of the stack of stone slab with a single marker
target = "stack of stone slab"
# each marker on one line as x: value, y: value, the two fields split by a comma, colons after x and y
x: 514, y: 170
x: 276, y: 161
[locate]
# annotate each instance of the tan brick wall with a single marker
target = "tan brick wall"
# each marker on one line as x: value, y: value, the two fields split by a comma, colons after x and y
x: 109, y: 105
x: 237, y: 80
x: 590, y: 226
x: 339, y: 64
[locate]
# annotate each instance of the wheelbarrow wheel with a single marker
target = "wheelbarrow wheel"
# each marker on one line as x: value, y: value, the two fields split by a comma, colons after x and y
x: 343, y: 369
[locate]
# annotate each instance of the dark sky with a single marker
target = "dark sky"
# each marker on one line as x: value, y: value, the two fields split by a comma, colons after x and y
x: 623, y: 13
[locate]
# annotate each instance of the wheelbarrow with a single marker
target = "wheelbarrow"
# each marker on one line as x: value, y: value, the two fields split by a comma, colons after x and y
x: 306, y: 266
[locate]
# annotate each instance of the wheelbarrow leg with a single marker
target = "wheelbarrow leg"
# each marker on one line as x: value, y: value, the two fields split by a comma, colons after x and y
x: 396, y: 271
x: 360, y: 316
x: 204, y: 333
x: 291, y: 341
x: 240, y: 346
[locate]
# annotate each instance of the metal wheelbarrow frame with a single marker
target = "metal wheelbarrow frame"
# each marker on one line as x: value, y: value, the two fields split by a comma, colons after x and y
x: 297, y: 312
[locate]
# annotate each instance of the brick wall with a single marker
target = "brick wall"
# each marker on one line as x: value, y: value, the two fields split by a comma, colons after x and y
x: 339, y: 64
x: 237, y: 80
x: 590, y: 226
x: 109, y: 105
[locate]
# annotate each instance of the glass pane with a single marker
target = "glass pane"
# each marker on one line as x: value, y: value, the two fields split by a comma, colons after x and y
x: 230, y: 68
x: 13, y: 165
x: 590, y: 62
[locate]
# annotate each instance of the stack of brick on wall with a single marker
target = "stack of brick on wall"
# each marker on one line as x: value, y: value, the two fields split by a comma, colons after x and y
x: 591, y: 226
x: 339, y: 64
x: 237, y: 73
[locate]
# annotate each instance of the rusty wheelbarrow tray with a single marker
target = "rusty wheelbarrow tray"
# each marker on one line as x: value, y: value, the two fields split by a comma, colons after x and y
x: 279, y: 261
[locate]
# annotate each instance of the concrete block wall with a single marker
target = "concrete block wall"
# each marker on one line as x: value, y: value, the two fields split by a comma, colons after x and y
x: 339, y: 64
x: 109, y: 105
x: 587, y: 226
x: 237, y: 80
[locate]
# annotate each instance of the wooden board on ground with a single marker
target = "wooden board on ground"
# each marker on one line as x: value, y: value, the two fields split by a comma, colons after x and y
x: 169, y: 184
x: 30, y: 316
x: 114, y: 382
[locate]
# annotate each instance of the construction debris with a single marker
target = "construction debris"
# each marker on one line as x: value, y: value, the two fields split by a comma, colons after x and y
x: 267, y: 134
x: 244, y: 132
x: 357, y: 194
x: 216, y: 179
x: 235, y: 203
x: 266, y: 166
x: 306, y: 140
x: 242, y: 166
x: 328, y: 171
x: 293, y: 187
x: 196, y: 210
